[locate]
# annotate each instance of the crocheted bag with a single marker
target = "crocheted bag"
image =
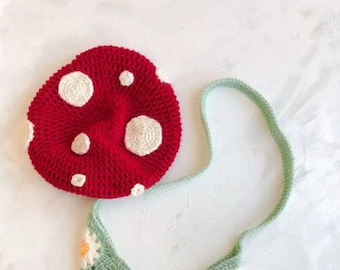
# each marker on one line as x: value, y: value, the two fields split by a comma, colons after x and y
x: 107, y: 125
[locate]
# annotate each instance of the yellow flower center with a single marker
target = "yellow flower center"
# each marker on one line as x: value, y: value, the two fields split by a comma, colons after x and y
x: 84, y: 248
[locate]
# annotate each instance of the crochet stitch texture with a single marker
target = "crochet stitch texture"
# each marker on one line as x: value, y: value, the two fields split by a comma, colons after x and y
x: 80, y: 116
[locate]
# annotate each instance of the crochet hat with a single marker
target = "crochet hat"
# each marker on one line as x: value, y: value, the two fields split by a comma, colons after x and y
x: 106, y: 125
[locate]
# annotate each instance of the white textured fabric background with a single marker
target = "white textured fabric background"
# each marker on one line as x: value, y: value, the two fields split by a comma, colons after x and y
x: 286, y: 49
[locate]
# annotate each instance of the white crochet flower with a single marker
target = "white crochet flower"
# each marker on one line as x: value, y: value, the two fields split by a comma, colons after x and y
x: 89, y: 249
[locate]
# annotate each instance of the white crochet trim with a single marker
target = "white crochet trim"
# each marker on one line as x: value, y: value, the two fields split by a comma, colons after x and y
x: 30, y: 130
x: 81, y: 144
x: 75, y: 88
x: 137, y: 190
x: 126, y: 78
x: 143, y: 135
x: 87, y: 259
x: 78, y: 180
x: 162, y: 76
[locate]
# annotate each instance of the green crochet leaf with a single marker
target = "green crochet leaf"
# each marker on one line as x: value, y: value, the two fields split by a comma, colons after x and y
x: 109, y: 260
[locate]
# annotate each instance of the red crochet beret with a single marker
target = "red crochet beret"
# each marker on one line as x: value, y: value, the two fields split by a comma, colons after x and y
x: 106, y: 125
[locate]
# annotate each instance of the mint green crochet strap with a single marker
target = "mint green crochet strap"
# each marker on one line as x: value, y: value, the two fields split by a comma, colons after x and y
x: 108, y: 258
